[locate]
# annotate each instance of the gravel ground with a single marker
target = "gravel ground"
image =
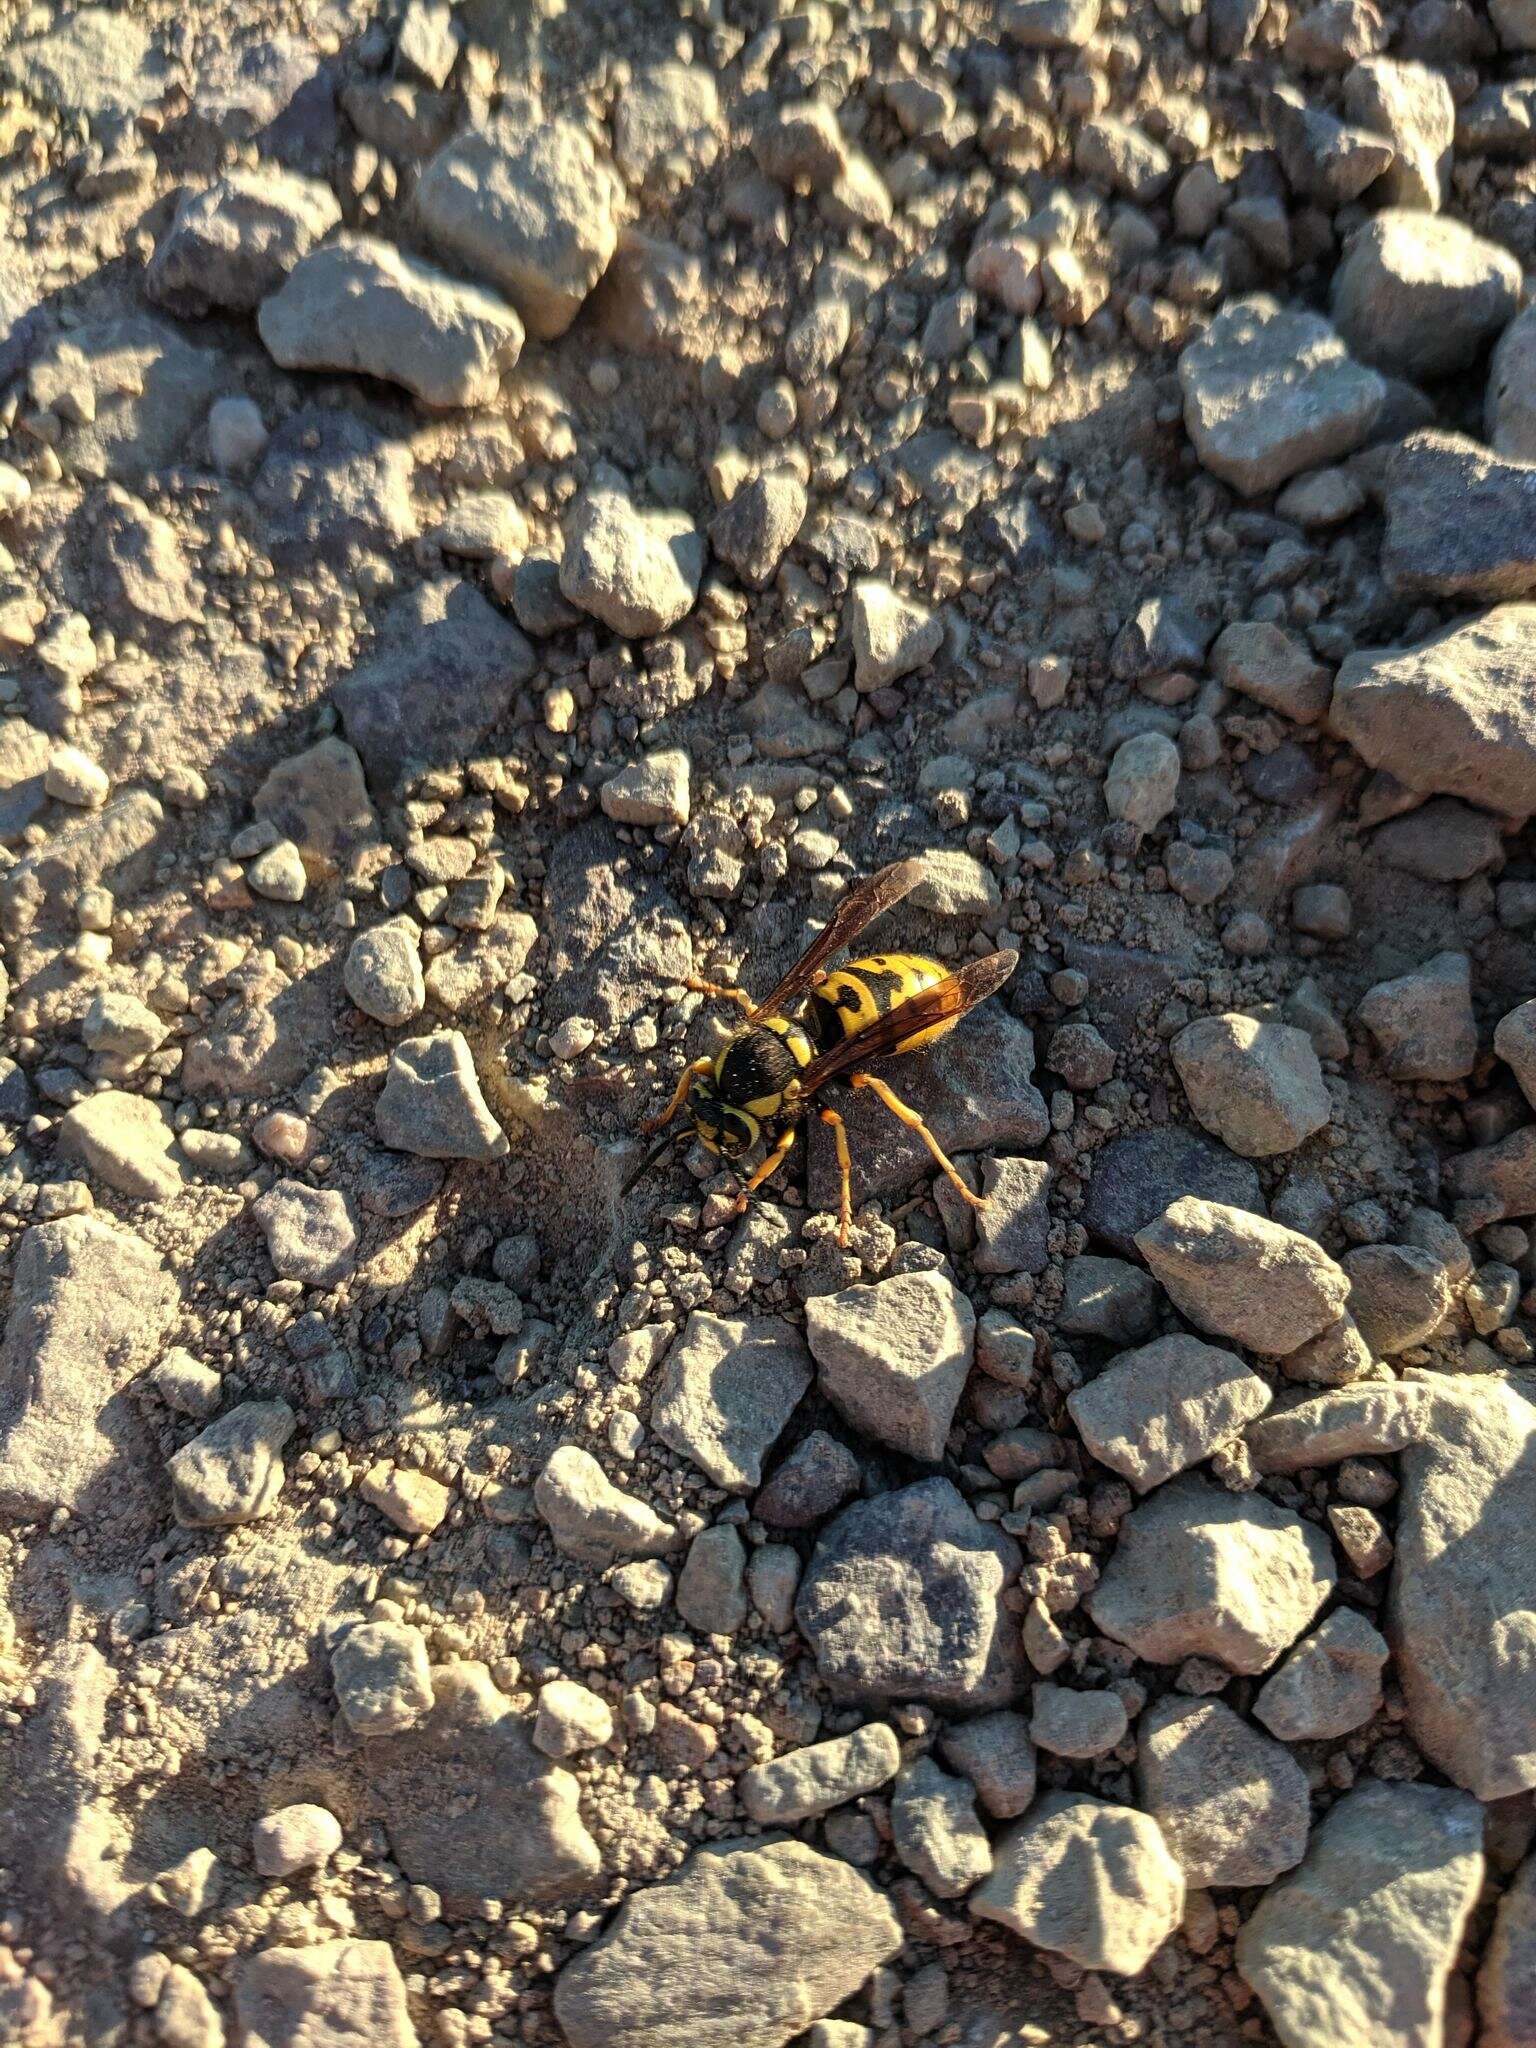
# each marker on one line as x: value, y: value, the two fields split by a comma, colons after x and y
x: 507, y: 509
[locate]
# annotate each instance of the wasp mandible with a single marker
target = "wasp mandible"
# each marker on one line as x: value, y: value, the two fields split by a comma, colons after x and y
x: 816, y: 1027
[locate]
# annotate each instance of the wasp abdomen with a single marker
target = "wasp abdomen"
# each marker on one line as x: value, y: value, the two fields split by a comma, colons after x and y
x: 853, y: 997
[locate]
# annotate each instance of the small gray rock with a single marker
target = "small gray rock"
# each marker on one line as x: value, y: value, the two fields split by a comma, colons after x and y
x: 383, y: 971
x: 1087, y: 1880
x: 811, y: 1781
x: 1233, y: 1806
x: 1156, y: 1411
x: 1328, y: 1686
x: 711, y: 1593
x: 1422, y: 1021
x: 894, y: 1357
x: 233, y: 1471
x: 311, y: 1233
x: 382, y: 1677
x: 1269, y: 392
x: 935, y: 1831
x: 1420, y: 296
x: 1199, y: 1572
x: 994, y: 1751
x: 725, y: 1391
x: 431, y: 1104
x: 637, y: 571
x: 231, y: 245
x: 1255, y: 1085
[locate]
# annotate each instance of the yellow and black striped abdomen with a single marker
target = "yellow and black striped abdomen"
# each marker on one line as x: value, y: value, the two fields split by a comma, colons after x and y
x: 854, y: 996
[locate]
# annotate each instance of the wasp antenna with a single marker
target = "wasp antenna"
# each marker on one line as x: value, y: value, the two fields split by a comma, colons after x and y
x: 662, y: 1145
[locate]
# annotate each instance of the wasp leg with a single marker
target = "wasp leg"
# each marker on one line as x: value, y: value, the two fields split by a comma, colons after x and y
x: 738, y: 996
x: 914, y: 1122
x: 685, y: 1081
x: 770, y: 1166
x: 845, y: 1173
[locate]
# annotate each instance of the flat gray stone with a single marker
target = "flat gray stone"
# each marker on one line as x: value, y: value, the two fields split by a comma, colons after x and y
x: 231, y: 245
x: 590, y: 1518
x: 636, y: 570
x: 311, y: 1233
x: 1269, y: 392
x: 90, y: 1304
x: 444, y: 670
x: 322, y: 1995
x: 1461, y: 1613
x: 431, y: 1105
x: 471, y: 1807
x: 1460, y: 522
x: 524, y: 202
x: 1358, y: 1944
x: 1153, y: 1412
x: 903, y: 1599
x: 811, y: 1781
x: 725, y: 1391
x: 1253, y: 1084
x: 894, y: 1358
x: 1135, y: 1177
x: 1199, y: 1572
x: 1087, y: 1880
x: 361, y: 304
x: 749, y: 1943
x: 935, y: 1831
x: 1233, y: 1806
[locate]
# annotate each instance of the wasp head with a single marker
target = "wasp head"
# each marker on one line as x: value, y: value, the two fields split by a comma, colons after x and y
x: 718, y: 1125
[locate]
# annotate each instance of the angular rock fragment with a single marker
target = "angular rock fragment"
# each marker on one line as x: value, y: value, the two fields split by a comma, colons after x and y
x: 935, y: 1831
x: 1455, y: 714
x: 592, y: 1519
x: 1233, y: 1805
x: 894, y: 1358
x: 892, y: 635
x: 311, y: 1233
x: 1461, y: 1613
x: 361, y: 304
x: 1199, y: 1572
x: 233, y: 1471
x: 1136, y: 1176
x: 1330, y: 1683
x: 442, y: 672
x: 813, y: 1780
x: 523, y: 201
x: 431, y: 1104
x: 903, y: 1599
x: 124, y: 1139
x: 1255, y: 1085
x: 89, y: 1304
x: 1459, y: 520
x: 638, y: 571
x: 1422, y: 1021
x: 750, y: 1942
x: 382, y: 1677
x: 1398, y: 1295
x: 1269, y: 392
x: 725, y: 1391
x: 471, y: 1807
x: 322, y: 1995
x: 1087, y: 1880
x: 1411, y: 105
x: 1358, y: 1944
x: 1241, y: 1276
x: 1151, y: 1413
x: 231, y: 245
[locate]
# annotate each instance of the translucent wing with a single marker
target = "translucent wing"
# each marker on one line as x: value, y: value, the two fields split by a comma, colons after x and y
x: 947, y: 999
x: 859, y: 908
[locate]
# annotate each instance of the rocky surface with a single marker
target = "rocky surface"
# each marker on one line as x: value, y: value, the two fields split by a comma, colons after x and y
x: 505, y: 515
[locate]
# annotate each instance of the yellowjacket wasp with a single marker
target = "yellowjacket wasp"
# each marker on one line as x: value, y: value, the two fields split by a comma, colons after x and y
x: 817, y: 1026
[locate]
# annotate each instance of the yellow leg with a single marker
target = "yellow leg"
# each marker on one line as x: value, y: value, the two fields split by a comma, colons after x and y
x: 685, y: 1081
x: 738, y: 996
x: 845, y: 1173
x: 769, y: 1167
x: 914, y: 1122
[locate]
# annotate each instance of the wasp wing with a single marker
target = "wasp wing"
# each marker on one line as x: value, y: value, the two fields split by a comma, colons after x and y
x: 946, y: 1000
x: 858, y: 909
